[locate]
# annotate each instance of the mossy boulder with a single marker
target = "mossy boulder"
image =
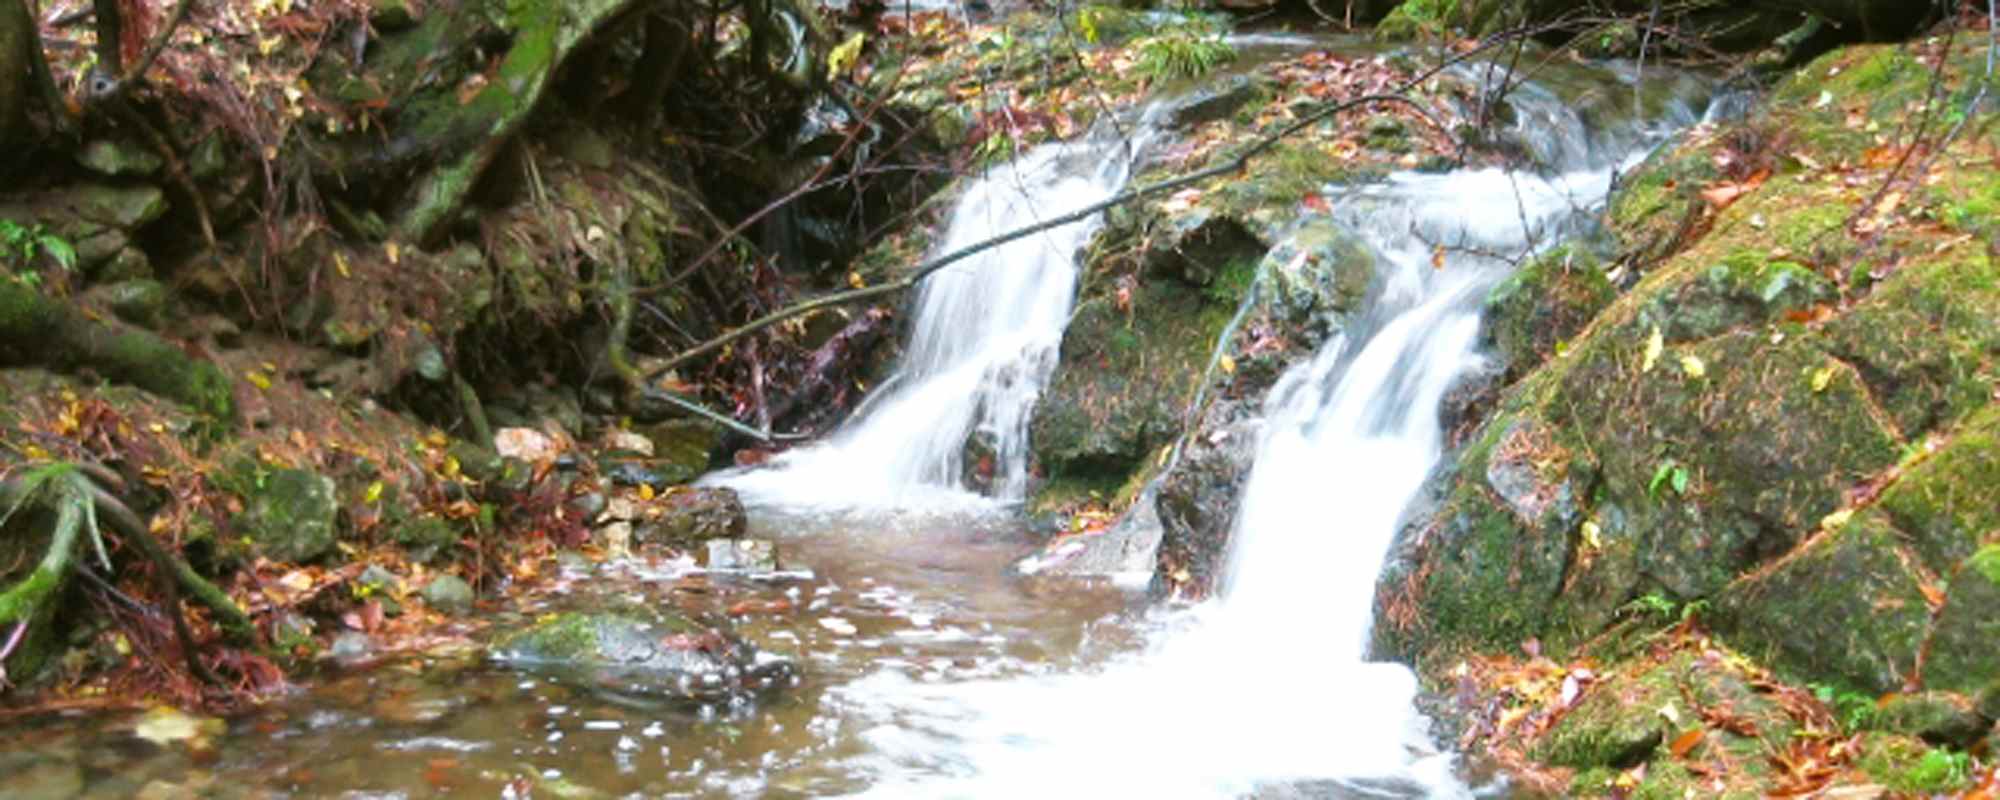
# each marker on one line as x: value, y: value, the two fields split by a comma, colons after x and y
x: 655, y: 654
x: 1965, y: 644
x: 1532, y: 315
x: 288, y: 514
x: 1845, y: 610
x: 1939, y: 718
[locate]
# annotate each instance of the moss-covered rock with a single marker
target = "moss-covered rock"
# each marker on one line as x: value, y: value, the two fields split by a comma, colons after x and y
x: 658, y: 654
x: 1846, y: 610
x: 1939, y: 718
x: 1962, y: 654
x: 1944, y: 504
x: 288, y: 514
x: 1533, y: 313
x: 1904, y: 764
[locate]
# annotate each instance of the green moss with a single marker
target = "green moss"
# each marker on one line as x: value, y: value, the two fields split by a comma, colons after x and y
x: 1904, y: 764
x: 1544, y: 303
x: 1846, y: 610
x: 1945, y: 503
x: 1986, y: 563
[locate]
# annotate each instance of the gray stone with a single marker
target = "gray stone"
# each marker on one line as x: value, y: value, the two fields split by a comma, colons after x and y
x: 118, y: 159
x: 450, y: 594
x: 141, y: 301
x: 742, y: 555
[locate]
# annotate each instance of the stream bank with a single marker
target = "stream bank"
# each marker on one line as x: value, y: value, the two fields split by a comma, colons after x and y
x: 316, y: 482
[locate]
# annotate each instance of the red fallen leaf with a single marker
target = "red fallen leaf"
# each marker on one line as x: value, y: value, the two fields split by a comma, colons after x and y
x: 760, y: 607
x: 750, y: 457
x: 438, y: 772
x: 1685, y: 743
x: 1317, y: 203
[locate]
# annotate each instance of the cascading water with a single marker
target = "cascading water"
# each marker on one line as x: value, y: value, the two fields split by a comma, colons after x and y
x: 1270, y: 686
x: 983, y: 344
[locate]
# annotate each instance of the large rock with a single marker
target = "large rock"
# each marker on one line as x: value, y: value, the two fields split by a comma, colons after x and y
x: 658, y: 655
x: 1689, y: 439
x: 1844, y: 610
x: 1964, y: 652
x: 693, y: 514
x: 288, y: 514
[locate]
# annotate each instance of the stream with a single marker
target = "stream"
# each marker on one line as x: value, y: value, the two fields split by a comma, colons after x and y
x: 927, y: 668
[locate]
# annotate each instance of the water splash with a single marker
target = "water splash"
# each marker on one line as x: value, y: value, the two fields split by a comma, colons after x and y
x: 1270, y: 686
x: 983, y: 344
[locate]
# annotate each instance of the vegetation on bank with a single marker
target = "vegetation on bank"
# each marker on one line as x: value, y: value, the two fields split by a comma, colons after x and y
x: 346, y: 307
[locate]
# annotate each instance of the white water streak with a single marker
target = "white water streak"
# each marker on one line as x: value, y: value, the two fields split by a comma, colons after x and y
x: 983, y: 344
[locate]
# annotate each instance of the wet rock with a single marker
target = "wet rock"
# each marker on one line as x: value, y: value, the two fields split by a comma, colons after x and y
x: 99, y: 220
x: 351, y: 647
x: 658, y: 655
x: 449, y: 594
x: 377, y: 579
x: 526, y: 444
x: 1542, y: 305
x: 1129, y: 548
x: 1198, y: 497
x: 685, y: 443
x: 690, y: 515
x: 288, y: 514
x: 742, y: 555
x: 394, y: 15
x: 656, y: 473
x: 118, y: 159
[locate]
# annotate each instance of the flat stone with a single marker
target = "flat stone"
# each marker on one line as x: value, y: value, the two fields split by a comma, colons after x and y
x: 449, y: 593
x: 742, y: 555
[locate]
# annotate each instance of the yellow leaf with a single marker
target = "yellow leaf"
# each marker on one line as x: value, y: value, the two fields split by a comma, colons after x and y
x: 393, y: 251
x: 258, y: 379
x: 165, y: 725
x: 845, y: 56
x: 1655, y: 344
x: 340, y: 264
x: 450, y: 469
x: 1835, y: 520
x: 645, y: 491
x: 1590, y: 535
x: 855, y: 280
x: 373, y: 494
x: 1822, y: 378
x: 1228, y: 365
x: 1693, y: 366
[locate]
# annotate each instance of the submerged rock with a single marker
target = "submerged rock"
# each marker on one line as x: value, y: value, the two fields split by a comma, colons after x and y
x: 660, y: 655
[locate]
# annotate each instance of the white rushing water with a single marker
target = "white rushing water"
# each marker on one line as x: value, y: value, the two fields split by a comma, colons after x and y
x: 1270, y: 686
x: 983, y: 343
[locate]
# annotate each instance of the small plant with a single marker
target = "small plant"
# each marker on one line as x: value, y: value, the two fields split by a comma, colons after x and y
x: 21, y: 244
x: 1853, y: 710
x: 1182, y: 51
x: 1937, y: 771
x: 1651, y: 604
x: 1670, y: 473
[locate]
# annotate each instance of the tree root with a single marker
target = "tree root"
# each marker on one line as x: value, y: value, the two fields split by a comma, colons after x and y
x: 37, y: 330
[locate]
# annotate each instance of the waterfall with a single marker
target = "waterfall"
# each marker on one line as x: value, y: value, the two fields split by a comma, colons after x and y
x: 1270, y: 686
x: 983, y: 344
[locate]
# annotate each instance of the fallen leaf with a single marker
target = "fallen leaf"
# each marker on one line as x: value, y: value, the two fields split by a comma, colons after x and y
x: 1693, y: 366
x: 164, y: 725
x: 1655, y: 344
x: 1685, y: 742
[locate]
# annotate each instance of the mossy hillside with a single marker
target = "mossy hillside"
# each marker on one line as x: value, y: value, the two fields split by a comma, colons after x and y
x: 1944, y: 504
x: 1789, y: 371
